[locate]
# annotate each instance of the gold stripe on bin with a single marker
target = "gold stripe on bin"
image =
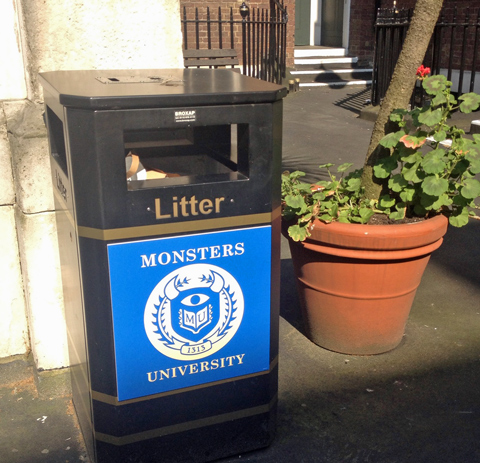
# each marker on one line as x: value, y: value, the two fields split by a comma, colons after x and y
x: 178, y: 227
x: 112, y: 400
x: 187, y: 426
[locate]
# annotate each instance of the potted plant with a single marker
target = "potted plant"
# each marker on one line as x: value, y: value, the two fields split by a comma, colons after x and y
x: 359, y: 259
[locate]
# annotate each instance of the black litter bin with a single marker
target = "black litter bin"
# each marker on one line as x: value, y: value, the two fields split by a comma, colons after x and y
x: 167, y: 190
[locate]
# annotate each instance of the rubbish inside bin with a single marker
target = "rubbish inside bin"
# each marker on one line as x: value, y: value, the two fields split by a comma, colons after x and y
x: 137, y: 170
x: 188, y: 154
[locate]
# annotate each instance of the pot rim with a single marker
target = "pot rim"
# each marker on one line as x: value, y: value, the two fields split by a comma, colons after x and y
x: 378, y: 237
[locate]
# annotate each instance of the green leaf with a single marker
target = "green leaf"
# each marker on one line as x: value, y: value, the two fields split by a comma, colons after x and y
x: 470, y: 102
x: 298, y: 233
x: 411, y: 174
x: 400, y: 212
x: 391, y: 139
x: 397, y: 183
x: 295, y: 175
x: 460, y: 168
x: 407, y: 194
x: 334, y: 210
x: 384, y: 167
x: 435, y: 84
x: 397, y: 115
x: 439, y: 99
x: 459, y: 218
x: 443, y: 200
x: 430, y: 117
x: 475, y: 166
x: 470, y: 189
x: 411, y: 158
x: 327, y: 218
x: 419, y: 210
x: 471, y: 149
x: 434, y: 186
x: 354, y: 184
x: 385, y: 202
x: 305, y: 218
x: 427, y: 201
x: 440, y: 135
x: 366, y: 213
x: 296, y: 202
x: 433, y: 163
x: 345, y: 166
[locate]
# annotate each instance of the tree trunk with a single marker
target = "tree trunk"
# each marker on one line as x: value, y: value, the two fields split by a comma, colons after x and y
x: 401, y: 86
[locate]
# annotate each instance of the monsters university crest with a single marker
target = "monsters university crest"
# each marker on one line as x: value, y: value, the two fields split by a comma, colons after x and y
x: 193, y: 312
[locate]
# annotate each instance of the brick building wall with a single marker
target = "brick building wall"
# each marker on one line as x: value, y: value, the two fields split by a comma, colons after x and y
x: 189, y: 7
x: 362, y: 19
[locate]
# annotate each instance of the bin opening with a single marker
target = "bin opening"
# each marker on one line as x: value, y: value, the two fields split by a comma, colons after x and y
x: 56, y: 139
x: 185, y: 155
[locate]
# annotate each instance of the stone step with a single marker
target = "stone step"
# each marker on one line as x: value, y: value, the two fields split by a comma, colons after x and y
x: 336, y: 77
x: 317, y: 62
x: 335, y: 84
x: 323, y: 66
x: 315, y: 75
x: 319, y: 52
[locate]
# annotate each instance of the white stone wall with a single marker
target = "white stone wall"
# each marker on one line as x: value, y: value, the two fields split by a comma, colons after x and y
x: 12, y: 75
x: 13, y: 323
x: 75, y: 34
x: 45, y: 36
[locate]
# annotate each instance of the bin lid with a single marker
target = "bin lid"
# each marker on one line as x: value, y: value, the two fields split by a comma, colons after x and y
x: 123, y: 89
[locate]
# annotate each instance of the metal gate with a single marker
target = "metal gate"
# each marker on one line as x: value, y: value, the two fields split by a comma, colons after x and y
x: 259, y: 35
x: 453, y: 51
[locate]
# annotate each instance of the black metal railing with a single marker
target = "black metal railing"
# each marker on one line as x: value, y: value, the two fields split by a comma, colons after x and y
x: 453, y: 51
x: 391, y: 27
x: 258, y: 35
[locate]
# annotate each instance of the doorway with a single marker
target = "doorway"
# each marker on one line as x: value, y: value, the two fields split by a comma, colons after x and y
x: 322, y: 22
x: 332, y: 23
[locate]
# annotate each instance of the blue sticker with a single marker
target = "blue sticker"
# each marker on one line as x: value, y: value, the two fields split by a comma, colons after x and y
x: 190, y: 310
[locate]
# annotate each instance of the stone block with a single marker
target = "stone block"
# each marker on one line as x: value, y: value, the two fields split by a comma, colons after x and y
x: 7, y: 191
x: 13, y: 321
x: 38, y: 246
x: 30, y: 156
x: 102, y: 35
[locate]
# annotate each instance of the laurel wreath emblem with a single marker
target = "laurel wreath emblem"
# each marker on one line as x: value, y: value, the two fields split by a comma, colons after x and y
x: 157, y: 320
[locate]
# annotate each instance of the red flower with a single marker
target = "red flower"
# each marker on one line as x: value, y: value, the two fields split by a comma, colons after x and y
x: 422, y: 72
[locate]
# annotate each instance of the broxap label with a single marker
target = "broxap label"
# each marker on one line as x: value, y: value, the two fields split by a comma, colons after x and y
x: 189, y: 115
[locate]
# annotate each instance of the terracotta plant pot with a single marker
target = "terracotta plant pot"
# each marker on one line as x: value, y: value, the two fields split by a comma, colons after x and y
x: 357, y: 282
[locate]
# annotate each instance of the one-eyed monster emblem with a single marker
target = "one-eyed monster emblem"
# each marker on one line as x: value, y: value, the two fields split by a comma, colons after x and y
x: 193, y: 312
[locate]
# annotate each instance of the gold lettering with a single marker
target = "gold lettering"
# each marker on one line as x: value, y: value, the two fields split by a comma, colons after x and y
x: 193, y: 205
x: 158, y: 214
x: 217, y: 203
x: 175, y: 206
x: 149, y: 374
x: 193, y: 368
x: 164, y: 373
x: 206, y: 206
x: 183, y: 204
x: 184, y: 207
